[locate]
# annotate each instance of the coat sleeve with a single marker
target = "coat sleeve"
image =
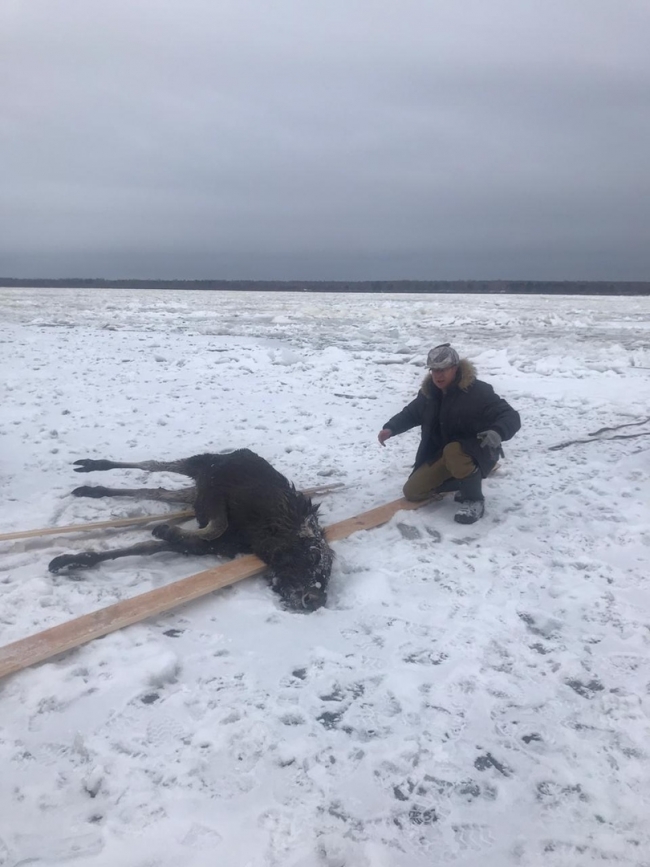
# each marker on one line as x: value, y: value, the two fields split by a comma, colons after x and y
x: 498, y: 415
x: 410, y: 416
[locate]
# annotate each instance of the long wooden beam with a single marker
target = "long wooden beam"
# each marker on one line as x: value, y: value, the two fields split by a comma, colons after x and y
x: 96, y: 525
x: 131, y: 522
x: 73, y: 633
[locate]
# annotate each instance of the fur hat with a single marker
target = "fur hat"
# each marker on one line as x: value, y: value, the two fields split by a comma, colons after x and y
x: 441, y: 357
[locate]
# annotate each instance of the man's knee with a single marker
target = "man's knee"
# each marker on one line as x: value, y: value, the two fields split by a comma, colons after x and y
x: 422, y: 482
x: 459, y: 464
x: 414, y: 492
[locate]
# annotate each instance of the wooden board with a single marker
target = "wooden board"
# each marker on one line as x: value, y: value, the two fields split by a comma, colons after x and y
x: 97, y: 525
x: 132, y: 522
x: 73, y: 633
x: 373, y: 518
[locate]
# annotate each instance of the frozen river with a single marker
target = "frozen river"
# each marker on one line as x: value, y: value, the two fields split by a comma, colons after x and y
x: 469, y: 694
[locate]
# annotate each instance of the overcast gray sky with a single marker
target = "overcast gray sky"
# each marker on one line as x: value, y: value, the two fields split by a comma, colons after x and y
x: 325, y: 139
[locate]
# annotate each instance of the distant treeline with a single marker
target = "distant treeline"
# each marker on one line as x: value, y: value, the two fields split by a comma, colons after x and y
x: 480, y: 287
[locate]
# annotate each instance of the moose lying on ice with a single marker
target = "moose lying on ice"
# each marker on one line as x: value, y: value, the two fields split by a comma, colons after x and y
x: 242, y: 505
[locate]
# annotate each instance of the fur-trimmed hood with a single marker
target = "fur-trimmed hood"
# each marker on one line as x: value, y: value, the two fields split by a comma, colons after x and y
x: 465, y: 377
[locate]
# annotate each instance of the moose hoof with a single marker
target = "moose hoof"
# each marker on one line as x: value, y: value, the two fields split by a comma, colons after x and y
x: 90, y: 491
x: 162, y: 531
x: 89, y: 466
x: 72, y: 561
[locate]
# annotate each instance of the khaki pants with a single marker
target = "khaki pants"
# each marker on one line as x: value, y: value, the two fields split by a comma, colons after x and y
x: 454, y: 463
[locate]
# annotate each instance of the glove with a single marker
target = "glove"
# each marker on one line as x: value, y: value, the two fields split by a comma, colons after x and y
x: 489, y: 439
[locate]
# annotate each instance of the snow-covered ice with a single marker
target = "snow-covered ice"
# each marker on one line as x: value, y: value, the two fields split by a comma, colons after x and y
x: 470, y: 695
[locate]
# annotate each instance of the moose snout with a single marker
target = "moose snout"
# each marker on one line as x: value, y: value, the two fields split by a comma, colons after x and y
x: 303, y: 600
x: 313, y: 599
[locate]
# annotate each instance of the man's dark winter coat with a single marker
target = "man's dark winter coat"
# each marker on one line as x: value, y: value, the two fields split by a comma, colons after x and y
x: 468, y: 407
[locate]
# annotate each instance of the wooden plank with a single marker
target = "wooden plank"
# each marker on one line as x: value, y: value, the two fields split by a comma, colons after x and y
x: 97, y: 525
x: 373, y: 518
x: 131, y: 522
x: 73, y: 633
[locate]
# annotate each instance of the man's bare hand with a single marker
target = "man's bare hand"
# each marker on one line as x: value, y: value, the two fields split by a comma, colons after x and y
x: 384, y: 434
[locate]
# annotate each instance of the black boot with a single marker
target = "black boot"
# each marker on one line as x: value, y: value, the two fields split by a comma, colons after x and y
x: 471, y: 498
x: 448, y: 486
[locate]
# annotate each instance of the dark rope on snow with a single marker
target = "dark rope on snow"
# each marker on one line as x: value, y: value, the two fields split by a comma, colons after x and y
x: 618, y: 427
x: 601, y: 440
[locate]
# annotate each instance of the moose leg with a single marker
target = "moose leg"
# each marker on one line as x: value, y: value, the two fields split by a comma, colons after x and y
x: 163, y: 495
x: 89, y: 466
x: 85, y: 559
x: 189, y: 539
x: 228, y: 545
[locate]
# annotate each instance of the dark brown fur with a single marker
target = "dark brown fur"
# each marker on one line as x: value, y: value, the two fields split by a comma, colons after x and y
x: 242, y: 505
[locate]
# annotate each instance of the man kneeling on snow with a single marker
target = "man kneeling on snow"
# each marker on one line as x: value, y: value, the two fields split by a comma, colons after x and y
x: 463, y: 423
